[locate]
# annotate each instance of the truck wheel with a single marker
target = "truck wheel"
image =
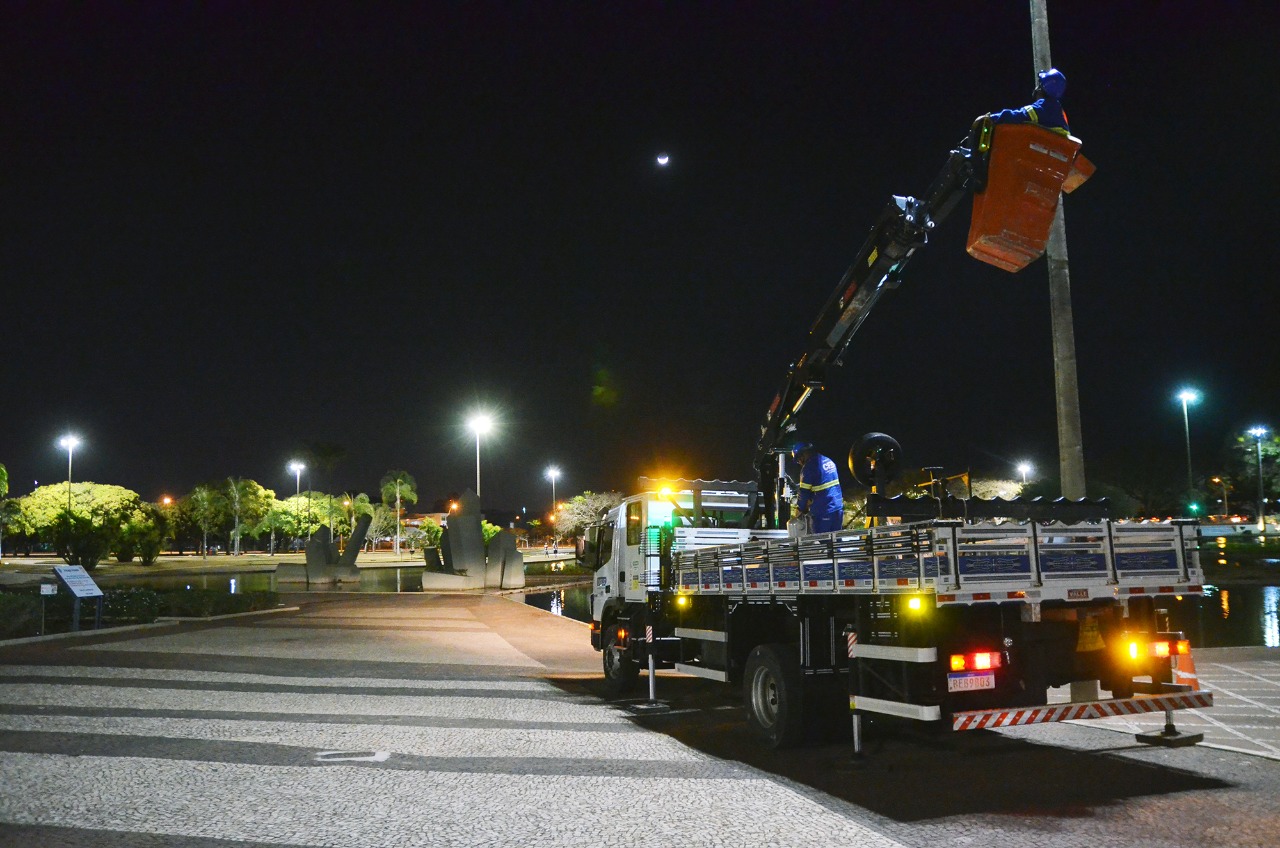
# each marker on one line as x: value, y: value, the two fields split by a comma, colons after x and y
x: 772, y: 694
x: 620, y: 671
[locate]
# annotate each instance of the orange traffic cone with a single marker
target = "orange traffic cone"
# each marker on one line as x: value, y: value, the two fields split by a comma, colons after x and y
x: 1184, y: 670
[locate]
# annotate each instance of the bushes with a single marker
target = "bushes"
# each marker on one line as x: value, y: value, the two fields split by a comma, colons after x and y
x: 19, y: 615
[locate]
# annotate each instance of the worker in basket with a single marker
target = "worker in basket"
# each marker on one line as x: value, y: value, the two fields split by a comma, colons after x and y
x: 820, y: 494
x: 1045, y: 111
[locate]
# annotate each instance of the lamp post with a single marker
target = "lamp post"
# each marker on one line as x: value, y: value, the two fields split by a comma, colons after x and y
x: 1188, y: 396
x: 1024, y: 468
x: 69, y: 443
x: 480, y: 424
x: 1258, y: 433
x: 297, y: 469
x: 553, y: 473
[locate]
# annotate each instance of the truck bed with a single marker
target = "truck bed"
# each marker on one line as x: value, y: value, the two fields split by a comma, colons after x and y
x: 958, y: 562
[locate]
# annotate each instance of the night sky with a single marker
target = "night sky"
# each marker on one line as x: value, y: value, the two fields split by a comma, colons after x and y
x: 232, y: 229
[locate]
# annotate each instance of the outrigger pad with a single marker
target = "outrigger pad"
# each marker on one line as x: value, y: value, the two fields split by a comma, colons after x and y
x: 1167, y: 739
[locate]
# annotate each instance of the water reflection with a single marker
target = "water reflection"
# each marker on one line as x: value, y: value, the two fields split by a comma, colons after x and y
x: 1270, y: 617
x: 573, y: 602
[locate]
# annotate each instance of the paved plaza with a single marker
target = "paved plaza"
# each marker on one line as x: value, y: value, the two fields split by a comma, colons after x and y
x: 409, y: 720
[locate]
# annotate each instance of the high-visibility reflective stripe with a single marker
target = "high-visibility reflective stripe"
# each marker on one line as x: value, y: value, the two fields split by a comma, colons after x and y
x: 805, y: 485
x: 825, y: 486
x: 1031, y: 113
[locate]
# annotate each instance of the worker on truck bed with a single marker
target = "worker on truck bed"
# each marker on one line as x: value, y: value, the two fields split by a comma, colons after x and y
x: 820, y: 494
x: 1046, y: 111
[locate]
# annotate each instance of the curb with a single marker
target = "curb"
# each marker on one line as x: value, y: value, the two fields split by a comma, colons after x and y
x: 166, y: 621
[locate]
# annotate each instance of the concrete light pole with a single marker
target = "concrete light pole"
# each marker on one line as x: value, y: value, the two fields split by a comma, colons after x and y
x: 297, y: 467
x: 1258, y: 433
x: 69, y: 443
x: 1188, y: 396
x: 481, y: 424
x: 552, y: 474
x: 1070, y: 439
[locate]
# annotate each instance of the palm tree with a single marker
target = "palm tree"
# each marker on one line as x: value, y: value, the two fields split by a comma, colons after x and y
x: 354, y: 506
x: 399, y: 486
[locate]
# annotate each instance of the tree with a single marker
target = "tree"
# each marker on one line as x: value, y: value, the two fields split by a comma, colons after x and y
x: 208, y: 508
x: 85, y: 538
x: 399, y: 486
x: 354, y: 506
x: 248, y: 502
x: 106, y: 509
x: 383, y: 526
x: 1244, y: 467
x: 143, y: 535
x: 581, y: 510
x: 273, y: 521
x: 4, y: 491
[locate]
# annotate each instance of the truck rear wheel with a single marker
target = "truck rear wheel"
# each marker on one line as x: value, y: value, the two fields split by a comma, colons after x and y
x: 620, y: 671
x: 772, y: 694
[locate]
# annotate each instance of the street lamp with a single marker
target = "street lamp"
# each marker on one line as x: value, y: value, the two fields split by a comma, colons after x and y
x: 1258, y: 433
x: 69, y: 443
x: 553, y: 473
x: 481, y: 424
x: 1024, y: 468
x: 297, y: 468
x: 1188, y: 396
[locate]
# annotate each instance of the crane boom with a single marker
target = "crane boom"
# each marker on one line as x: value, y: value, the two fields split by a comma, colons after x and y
x: 902, y: 228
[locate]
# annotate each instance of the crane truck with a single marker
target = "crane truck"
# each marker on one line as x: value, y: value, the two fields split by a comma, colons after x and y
x: 960, y: 613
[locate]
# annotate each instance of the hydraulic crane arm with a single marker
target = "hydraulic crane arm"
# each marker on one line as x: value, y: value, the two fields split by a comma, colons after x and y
x: 903, y: 226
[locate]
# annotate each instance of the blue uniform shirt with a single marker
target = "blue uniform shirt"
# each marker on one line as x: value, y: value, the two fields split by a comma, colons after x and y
x: 1046, y: 112
x: 820, y: 491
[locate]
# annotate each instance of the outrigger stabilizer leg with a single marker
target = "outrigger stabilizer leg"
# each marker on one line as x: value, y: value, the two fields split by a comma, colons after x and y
x: 1169, y: 737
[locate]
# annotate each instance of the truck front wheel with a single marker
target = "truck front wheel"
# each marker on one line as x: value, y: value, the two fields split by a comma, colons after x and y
x: 772, y: 695
x: 620, y: 671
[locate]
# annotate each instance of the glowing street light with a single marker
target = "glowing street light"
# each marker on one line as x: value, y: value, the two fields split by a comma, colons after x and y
x: 69, y: 443
x: 1024, y: 468
x: 1188, y: 396
x: 481, y: 424
x: 1258, y: 433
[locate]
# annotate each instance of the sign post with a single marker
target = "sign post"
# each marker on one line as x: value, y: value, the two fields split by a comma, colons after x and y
x: 81, y: 585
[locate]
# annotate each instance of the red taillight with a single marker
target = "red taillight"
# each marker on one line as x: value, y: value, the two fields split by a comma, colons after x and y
x: 980, y: 661
x: 1160, y: 650
x: 1183, y: 647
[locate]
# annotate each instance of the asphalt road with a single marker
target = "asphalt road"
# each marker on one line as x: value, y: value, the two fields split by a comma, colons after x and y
x: 429, y: 720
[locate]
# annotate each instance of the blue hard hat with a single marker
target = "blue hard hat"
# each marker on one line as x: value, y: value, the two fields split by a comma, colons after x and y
x: 799, y: 446
x: 1053, y: 83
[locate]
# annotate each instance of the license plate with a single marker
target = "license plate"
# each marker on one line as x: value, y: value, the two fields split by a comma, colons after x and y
x: 971, y: 681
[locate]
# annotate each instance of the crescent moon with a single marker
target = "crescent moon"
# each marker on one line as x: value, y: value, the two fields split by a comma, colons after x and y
x: 663, y: 159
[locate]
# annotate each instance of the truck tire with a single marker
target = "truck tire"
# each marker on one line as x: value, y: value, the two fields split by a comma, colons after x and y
x: 771, y: 690
x: 620, y: 671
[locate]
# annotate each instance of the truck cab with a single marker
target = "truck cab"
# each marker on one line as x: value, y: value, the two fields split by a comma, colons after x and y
x: 629, y: 548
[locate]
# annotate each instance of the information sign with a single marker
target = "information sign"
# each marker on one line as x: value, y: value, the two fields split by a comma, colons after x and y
x: 75, y: 578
